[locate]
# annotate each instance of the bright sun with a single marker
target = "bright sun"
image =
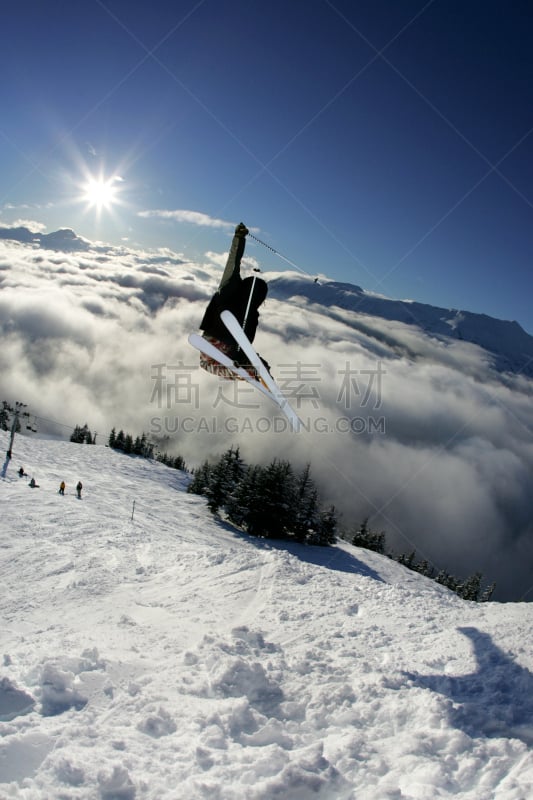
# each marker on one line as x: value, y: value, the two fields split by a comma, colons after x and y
x: 100, y: 193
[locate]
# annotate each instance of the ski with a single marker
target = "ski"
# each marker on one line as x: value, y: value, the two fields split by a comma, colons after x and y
x: 209, y: 349
x: 247, y: 347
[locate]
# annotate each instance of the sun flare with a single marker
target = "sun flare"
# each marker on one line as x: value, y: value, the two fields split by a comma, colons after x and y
x: 100, y: 193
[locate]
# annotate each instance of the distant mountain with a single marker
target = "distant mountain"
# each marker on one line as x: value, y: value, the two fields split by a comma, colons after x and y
x: 508, y: 343
x: 510, y: 347
x: 64, y: 239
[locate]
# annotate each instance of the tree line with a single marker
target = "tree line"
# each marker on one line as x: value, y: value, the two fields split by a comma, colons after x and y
x: 272, y: 501
x: 277, y: 502
x: 469, y: 588
x: 82, y: 435
x: 129, y: 445
x: 142, y: 446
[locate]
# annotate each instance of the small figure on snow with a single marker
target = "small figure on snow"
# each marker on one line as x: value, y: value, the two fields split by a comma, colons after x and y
x: 79, y: 487
x: 22, y: 474
x: 241, y: 296
x: 62, y: 487
x: 33, y: 484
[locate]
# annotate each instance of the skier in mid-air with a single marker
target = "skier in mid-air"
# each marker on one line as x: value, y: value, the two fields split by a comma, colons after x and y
x: 241, y: 296
x: 229, y: 325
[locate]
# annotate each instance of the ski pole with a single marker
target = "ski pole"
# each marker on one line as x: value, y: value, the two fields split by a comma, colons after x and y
x: 249, y: 304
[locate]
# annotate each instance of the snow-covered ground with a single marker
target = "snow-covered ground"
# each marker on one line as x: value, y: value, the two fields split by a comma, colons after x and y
x: 167, y: 656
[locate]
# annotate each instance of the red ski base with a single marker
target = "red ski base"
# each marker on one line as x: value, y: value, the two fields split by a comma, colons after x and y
x: 215, y: 368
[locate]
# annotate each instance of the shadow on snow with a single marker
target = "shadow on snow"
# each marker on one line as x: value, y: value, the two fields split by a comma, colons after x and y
x: 495, y: 700
x: 329, y: 557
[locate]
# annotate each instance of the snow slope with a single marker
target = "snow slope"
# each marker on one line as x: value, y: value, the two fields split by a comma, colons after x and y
x: 168, y: 656
x: 510, y: 347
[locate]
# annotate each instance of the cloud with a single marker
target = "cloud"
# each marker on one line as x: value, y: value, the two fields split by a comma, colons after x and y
x: 32, y: 225
x: 191, y: 217
x: 419, y: 433
x: 220, y: 260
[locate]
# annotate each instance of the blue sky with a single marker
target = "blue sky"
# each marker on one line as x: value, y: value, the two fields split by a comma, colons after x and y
x: 387, y: 144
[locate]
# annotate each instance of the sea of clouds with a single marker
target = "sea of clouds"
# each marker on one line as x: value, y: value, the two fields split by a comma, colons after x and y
x: 419, y: 433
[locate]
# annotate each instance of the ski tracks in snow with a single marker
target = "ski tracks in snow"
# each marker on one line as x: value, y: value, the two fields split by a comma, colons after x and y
x: 169, y: 656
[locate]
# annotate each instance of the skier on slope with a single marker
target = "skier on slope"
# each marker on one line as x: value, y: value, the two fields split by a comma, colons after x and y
x: 241, y: 296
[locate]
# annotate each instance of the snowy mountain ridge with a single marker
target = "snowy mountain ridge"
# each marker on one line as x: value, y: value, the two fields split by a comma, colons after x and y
x: 508, y: 343
x: 152, y: 651
x: 510, y: 346
x: 64, y: 239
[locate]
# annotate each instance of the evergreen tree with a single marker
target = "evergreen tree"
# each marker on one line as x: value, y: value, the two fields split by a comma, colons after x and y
x: 306, y: 512
x: 200, y: 480
x: 277, y: 491
x: 225, y: 475
x: 470, y: 589
x: 120, y: 440
x: 75, y: 435
x: 246, y: 505
x: 128, y: 443
x: 371, y: 540
x: 149, y: 449
x: 236, y: 472
x: 327, y: 528
x: 112, y: 438
x: 487, y: 593
x: 425, y: 568
x: 5, y: 417
x: 447, y: 580
x: 81, y: 435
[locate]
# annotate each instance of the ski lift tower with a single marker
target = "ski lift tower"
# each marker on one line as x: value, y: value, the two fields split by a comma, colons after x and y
x: 15, y: 426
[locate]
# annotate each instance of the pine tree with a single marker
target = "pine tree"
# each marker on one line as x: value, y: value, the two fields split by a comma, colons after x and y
x: 277, y: 491
x: 120, y: 440
x: 5, y: 413
x: 306, y: 513
x: 149, y: 449
x: 200, y: 481
x: 81, y: 435
x: 470, y: 589
x: 112, y: 438
x: 145, y: 446
x: 327, y: 528
x: 236, y: 472
x: 447, y: 580
x: 371, y: 540
x: 425, y: 568
x: 224, y: 476
x: 487, y: 593
x: 246, y: 505
x: 75, y: 435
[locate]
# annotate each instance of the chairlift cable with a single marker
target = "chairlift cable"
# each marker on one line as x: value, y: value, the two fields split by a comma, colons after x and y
x: 280, y: 255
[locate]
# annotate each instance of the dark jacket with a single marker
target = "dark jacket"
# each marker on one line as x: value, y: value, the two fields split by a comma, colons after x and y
x: 235, y: 297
